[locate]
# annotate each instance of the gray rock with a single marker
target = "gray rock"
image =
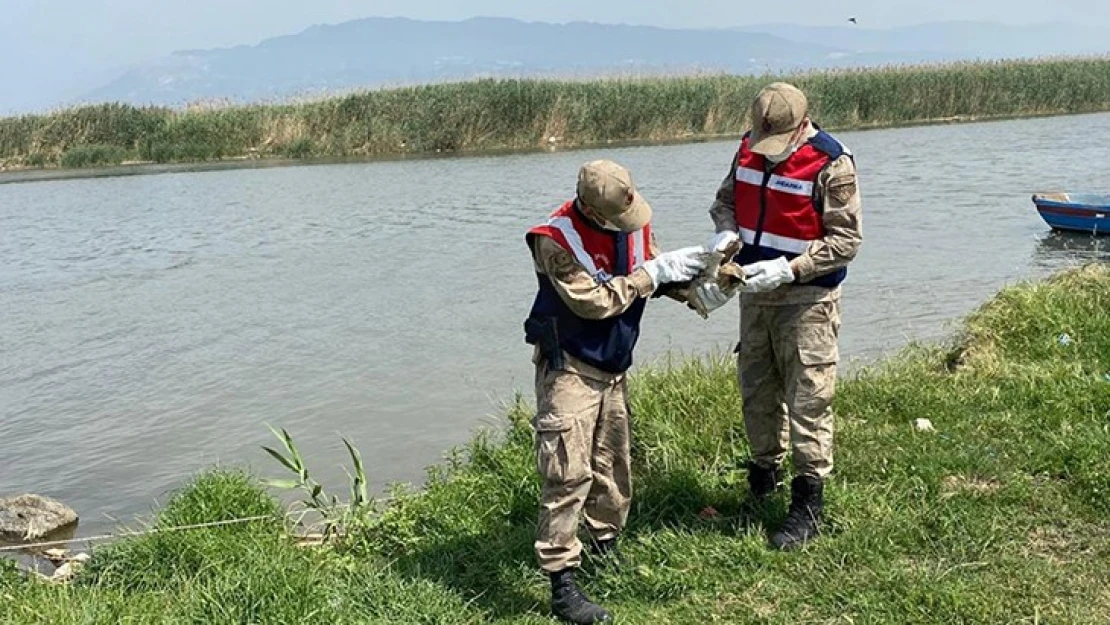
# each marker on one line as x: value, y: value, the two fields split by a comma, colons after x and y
x: 30, y: 517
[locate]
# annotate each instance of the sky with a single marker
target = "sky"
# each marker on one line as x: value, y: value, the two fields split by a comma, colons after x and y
x: 64, y: 47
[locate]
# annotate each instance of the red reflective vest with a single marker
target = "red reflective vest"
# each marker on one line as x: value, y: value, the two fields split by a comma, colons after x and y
x: 593, y: 247
x: 776, y: 210
x: 604, y: 343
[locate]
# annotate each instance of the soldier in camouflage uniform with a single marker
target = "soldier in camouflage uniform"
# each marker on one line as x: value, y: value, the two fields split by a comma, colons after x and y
x: 597, y: 264
x: 791, y: 196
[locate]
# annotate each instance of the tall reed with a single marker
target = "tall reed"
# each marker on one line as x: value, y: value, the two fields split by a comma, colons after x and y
x: 526, y: 114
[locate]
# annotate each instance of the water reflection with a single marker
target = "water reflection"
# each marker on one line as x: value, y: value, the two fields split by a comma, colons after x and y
x: 1056, y: 249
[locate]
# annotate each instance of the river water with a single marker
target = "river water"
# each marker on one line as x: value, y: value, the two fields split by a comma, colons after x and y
x: 152, y: 326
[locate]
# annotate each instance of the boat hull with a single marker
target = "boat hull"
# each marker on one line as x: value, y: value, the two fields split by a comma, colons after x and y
x: 1075, y: 213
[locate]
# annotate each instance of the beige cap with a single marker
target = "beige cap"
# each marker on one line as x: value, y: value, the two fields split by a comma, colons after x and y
x: 607, y: 188
x: 777, y: 112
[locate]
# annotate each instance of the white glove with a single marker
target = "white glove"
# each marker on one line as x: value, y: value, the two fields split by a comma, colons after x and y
x: 677, y: 265
x: 712, y: 296
x: 721, y: 240
x: 767, y: 275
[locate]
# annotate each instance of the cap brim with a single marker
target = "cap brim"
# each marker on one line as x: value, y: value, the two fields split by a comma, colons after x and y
x: 637, y: 216
x: 770, y: 145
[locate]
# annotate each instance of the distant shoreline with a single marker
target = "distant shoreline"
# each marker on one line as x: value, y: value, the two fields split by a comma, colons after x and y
x: 491, y: 117
x: 30, y: 175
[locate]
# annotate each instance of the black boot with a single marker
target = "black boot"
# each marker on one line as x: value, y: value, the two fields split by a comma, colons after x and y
x: 763, y: 483
x: 804, y: 520
x: 569, y: 604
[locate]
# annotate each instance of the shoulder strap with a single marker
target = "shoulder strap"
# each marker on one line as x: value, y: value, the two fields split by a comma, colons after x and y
x: 832, y: 147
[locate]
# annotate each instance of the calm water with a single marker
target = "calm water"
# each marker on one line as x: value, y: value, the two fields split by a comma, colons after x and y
x: 153, y: 325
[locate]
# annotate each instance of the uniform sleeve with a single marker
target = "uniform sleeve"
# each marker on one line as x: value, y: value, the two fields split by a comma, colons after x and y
x: 723, y: 211
x: 584, y: 295
x: 843, y: 218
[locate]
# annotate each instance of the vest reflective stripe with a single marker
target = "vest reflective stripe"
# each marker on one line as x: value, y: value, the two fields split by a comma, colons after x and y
x: 639, y: 248
x: 566, y: 227
x: 786, y: 244
x: 792, y: 186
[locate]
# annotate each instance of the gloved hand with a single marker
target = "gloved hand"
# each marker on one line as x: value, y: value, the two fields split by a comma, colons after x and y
x: 712, y: 296
x: 677, y: 265
x: 718, y: 242
x: 767, y: 275
x: 709, y: 295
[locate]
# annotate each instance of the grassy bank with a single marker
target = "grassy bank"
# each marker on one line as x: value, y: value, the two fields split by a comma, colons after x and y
x: 999, y: 516
x: 527, y: 114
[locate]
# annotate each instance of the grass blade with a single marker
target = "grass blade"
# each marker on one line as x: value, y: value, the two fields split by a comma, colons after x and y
x: 282, y: 459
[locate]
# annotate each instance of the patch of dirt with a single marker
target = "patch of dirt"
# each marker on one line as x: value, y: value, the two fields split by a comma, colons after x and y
x: 1067, y: 543
x: 959, y: 484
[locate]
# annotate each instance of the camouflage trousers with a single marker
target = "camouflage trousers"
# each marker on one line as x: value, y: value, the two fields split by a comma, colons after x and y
x: 583, y: 455
x: 787, y: 367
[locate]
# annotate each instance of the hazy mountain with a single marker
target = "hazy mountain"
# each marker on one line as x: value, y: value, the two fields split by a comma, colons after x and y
x: 389, y: 51
x: 380, y: 51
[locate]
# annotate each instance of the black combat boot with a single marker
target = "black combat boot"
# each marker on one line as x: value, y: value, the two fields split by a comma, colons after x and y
x: 763, y: 483
x: 803, y: 522
x: 569, y: 604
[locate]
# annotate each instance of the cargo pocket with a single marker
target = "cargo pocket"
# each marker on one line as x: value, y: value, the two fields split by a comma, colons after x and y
x: 552, y: 458
x: 817, y: 345
x: 818, y: 335
x: 814, y: 351
x: 811, y: 386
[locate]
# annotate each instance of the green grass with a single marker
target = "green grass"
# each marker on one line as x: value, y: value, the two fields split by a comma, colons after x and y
x: 1002, y: 515
x: 528, y: 114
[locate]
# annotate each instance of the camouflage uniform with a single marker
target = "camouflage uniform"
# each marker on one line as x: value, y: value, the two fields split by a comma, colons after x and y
x: 788, y: 353
x: 582, y: 442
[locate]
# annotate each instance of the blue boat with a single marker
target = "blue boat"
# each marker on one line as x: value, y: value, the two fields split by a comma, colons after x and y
x: 1076, y: 212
